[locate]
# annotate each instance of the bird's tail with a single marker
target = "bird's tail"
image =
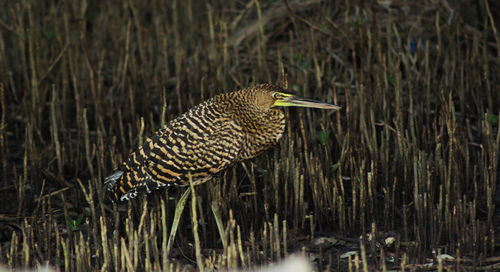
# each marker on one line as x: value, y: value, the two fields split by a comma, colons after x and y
x: 111, y: 180
x: 128, y: 184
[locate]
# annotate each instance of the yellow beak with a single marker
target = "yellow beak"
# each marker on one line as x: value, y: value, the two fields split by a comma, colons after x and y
x: 288, y: 100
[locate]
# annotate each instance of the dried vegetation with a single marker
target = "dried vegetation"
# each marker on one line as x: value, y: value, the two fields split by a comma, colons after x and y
x: 411, y: 159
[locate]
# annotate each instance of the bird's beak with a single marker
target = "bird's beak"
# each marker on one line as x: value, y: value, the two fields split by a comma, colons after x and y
x: 287, y: 100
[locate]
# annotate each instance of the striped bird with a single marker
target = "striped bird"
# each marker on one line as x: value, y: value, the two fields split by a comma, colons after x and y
x: 207, y: 139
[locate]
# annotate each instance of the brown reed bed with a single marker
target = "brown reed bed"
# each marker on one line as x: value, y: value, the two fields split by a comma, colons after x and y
x: 404, y: 177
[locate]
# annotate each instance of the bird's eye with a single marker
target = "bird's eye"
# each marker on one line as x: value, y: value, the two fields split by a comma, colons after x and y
x: 276, y: 95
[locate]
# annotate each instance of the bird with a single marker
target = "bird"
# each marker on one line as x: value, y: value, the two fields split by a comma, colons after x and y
x: 207, y: 139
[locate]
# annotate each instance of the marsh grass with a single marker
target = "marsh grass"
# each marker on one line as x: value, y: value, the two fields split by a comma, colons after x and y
x: 412, y: 157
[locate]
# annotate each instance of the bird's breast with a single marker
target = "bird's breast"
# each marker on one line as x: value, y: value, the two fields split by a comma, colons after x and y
x: 263, y: 133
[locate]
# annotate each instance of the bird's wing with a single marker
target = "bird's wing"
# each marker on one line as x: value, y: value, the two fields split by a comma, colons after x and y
x: 175, y: 152
x: 200, y: 152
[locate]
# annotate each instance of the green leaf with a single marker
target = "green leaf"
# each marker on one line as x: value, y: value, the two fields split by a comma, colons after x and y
x: 71, y: 223
x: 79, y: 219
x: 493, y: 118
x: 74, y: 224
x: 391, y: 81
x: 295, y: 87
x: 323, y: 137
x: 335, y: 167
x: 324, y: 27
x: 305, y: 64
x: 355, y: 23
x: 51, y: 33
x: 298, y: 57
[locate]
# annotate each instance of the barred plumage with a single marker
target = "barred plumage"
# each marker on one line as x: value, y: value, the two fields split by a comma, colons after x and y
x: 207, y: 139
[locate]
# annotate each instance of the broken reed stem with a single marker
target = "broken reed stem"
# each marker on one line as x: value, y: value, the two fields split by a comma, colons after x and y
x: 179, y: 208
x: 104, y: 240
x: 86, y: 136
x: 3, y: 141
x: 194, y: 221
x: 220, y: 226
x: 164, y: 251
x: 55, y: 131
x: 240, y: 247
x: 385, y: 137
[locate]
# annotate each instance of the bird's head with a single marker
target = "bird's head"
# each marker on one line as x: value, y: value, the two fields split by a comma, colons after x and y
x: 268, y: 96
